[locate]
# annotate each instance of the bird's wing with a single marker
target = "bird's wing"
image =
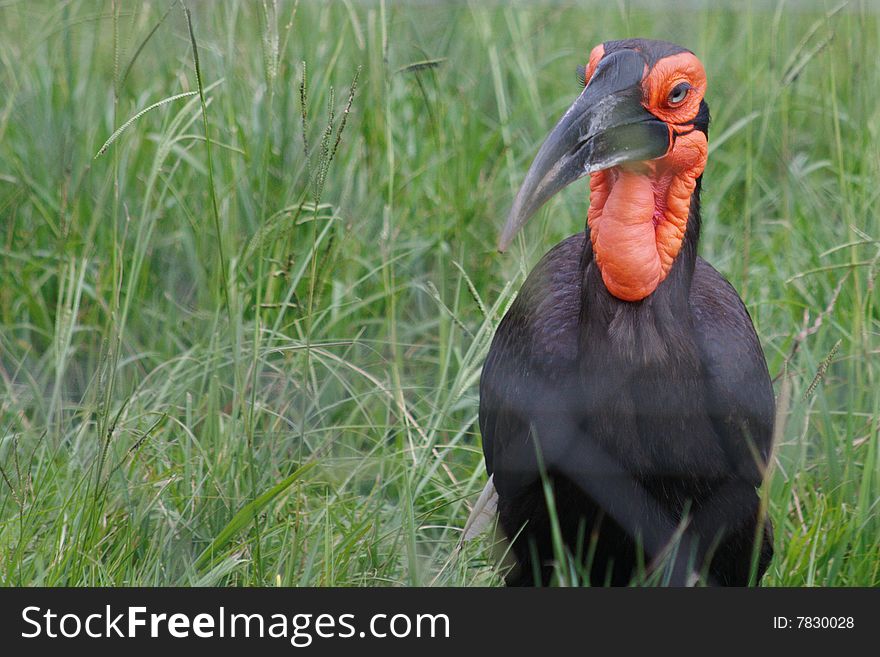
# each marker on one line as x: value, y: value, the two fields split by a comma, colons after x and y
x: 532, y: 353
x: 739, y: 392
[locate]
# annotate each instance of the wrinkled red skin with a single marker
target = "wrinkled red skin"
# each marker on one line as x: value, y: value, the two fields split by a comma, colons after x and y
x: 638, y: 212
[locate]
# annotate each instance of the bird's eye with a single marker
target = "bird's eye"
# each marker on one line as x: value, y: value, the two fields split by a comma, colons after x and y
x: 679, y: 93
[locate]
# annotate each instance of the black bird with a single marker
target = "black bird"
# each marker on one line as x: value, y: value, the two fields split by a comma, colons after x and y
x: 627, y: 375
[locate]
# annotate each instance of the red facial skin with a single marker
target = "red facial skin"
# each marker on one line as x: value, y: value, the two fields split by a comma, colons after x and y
x: 639, y: 211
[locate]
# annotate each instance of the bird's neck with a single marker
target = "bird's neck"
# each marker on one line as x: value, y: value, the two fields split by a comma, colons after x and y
x: 655, y: 329
x: 638, y: 219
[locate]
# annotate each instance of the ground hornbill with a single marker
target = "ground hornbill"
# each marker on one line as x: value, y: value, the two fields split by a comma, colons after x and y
x: 625, y: 405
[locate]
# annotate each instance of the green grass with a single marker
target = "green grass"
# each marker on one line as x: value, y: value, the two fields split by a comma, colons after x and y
x: 241, y: 345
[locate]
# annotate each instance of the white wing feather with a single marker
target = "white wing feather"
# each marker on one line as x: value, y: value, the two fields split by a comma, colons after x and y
x: 483, y: 512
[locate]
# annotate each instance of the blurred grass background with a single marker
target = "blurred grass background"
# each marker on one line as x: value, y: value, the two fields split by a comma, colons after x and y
x: 252, y: 359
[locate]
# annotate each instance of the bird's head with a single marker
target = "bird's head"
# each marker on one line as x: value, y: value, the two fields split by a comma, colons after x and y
x: 640, y: 130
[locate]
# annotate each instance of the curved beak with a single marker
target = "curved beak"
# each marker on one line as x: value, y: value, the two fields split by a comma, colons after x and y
x: 606, y: 126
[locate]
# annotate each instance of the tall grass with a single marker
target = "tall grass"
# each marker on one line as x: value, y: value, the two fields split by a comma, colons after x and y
x: 241, y: 337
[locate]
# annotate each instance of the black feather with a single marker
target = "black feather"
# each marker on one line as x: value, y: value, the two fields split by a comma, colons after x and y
x: 663, y: 404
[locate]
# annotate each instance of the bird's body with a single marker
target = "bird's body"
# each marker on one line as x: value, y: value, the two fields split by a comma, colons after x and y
x: 650, y: 416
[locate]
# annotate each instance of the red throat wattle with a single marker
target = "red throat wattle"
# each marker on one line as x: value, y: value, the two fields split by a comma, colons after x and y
x: 638, y: 216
